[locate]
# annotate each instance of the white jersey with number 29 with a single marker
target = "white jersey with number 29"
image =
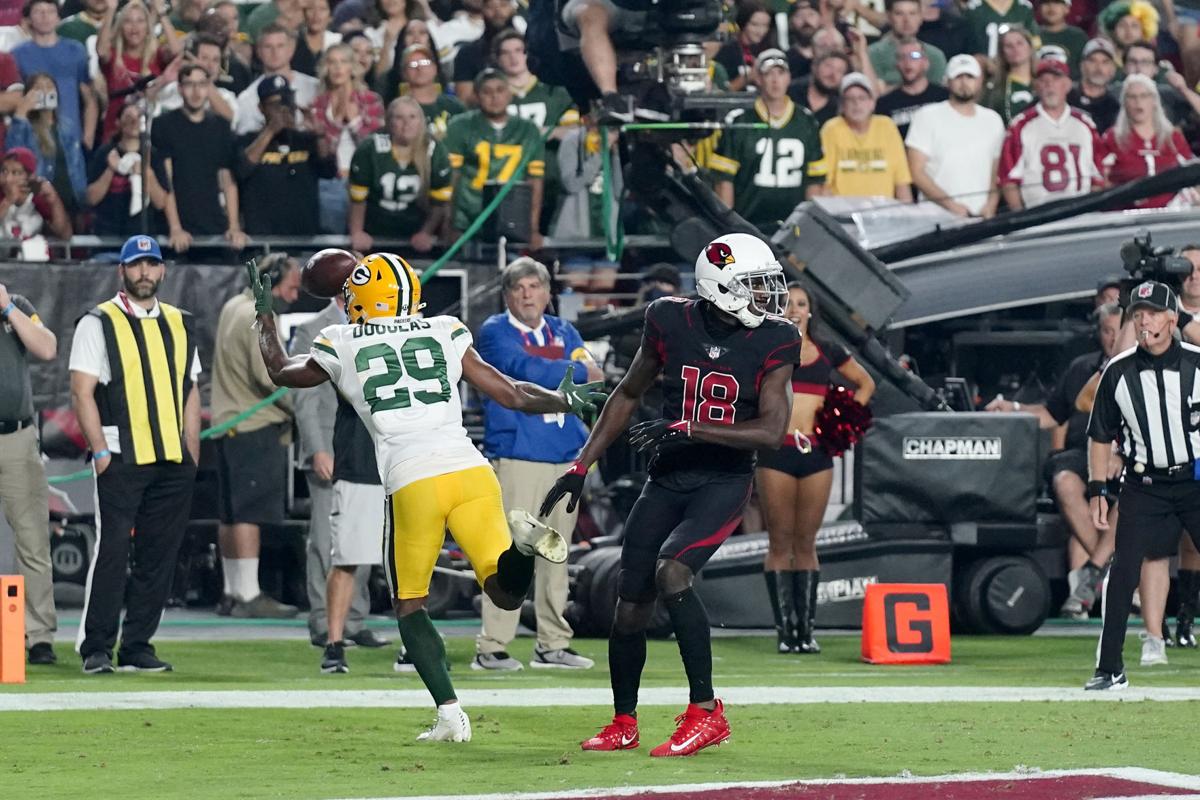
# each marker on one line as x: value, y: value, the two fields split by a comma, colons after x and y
x: 401, y: 375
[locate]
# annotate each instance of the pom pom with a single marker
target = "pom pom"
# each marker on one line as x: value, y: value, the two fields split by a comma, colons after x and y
x: 841, y: 422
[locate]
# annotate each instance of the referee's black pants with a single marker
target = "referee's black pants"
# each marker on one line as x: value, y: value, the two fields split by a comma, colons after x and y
x: 143, y: 509
x: 1152, y: 518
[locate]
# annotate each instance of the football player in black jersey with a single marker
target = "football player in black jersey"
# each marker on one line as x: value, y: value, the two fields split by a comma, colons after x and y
x: 726, y: 361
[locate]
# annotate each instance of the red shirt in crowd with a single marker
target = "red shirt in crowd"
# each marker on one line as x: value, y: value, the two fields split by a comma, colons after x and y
x: 1135, y: 157
x: 10, y: 80
x: 122, y: 75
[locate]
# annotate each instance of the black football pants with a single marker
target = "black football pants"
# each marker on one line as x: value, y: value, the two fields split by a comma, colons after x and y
x: 143, y: 510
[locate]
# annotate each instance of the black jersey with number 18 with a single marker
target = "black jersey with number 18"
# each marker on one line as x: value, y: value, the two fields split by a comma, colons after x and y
x: 712, y: 373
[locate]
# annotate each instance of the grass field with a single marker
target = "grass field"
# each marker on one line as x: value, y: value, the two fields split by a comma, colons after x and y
x: 357, y: 752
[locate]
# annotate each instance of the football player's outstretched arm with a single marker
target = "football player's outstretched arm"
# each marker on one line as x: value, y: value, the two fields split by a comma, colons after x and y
x: 569, y: 398
x: 624, y: 401
x: 297, y: 372
x: 613, y: 419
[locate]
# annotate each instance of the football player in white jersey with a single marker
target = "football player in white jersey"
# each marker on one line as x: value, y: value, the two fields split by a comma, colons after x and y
x: 401, y: 373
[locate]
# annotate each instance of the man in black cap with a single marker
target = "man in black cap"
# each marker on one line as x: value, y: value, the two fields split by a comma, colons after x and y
x: 1151, y: 396
x: 279, y: 167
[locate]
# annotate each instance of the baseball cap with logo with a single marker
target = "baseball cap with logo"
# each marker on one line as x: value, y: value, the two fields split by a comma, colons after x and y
x: 1052, y: 65
x: 963, y: 64
x: 274, y: 86
x: 1154, y: 295
x: 859, y: 80
x: 1100, y: 45
x: 137, y: 248
x: 771, y: 57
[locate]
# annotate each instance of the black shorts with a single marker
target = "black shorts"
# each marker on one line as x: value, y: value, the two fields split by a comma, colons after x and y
x: 252, y: 476
x: 1158, y: 515
x: 789, y: 460
x: 683, y: 517
x: 1075, y: 460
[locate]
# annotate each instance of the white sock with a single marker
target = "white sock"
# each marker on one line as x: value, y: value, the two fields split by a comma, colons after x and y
x: 242, y: 574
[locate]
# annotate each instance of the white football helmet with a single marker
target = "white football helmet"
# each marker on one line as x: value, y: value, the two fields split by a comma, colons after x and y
x: 738, y: 274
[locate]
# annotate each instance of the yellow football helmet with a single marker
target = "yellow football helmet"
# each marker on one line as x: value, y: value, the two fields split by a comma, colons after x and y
x: 382, y: 285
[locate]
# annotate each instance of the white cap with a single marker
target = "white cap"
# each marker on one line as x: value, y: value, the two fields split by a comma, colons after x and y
x: 963, y: 64
x: 859, y: 80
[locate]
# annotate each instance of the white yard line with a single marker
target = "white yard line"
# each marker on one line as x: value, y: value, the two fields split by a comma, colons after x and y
x: 537, y: 698
x: 1151, y: 776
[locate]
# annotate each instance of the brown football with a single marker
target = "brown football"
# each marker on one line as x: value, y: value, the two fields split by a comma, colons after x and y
x: 326, y: 272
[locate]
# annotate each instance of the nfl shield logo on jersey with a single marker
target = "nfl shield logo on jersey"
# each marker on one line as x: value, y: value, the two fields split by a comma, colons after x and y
x: 714, y: 351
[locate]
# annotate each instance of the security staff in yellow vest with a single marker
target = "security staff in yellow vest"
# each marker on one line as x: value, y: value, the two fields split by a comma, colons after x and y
x: 133, y: 387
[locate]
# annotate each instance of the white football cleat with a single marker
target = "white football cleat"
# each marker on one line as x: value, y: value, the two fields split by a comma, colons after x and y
x: 452, y: 725
x: 535, y: 538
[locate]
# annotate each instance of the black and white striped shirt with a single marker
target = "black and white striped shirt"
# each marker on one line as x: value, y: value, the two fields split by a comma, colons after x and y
x: 1151, y: 404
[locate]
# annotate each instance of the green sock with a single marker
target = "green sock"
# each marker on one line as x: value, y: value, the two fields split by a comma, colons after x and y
x: 428, y: 654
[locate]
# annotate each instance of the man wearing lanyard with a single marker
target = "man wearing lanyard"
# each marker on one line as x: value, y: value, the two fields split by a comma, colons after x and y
x: 530, y: 452
x: 134, y: 368
x: 23, y: 495
x: 1149, y: 398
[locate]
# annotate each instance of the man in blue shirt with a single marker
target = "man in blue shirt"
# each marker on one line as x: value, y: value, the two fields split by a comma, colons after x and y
x: 530, y: 452
x: 66, y: 61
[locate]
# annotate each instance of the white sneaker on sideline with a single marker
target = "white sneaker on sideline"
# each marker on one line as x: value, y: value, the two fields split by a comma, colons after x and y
x: 1154, y: 650
x: 535, y: 538
x: 452, y: 725
x: 497, y: 662
x: 566, y: 658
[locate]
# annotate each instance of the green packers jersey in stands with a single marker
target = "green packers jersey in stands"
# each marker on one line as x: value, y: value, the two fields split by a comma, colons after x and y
x: 439, y: 113
x: 542, y: 104
x: 483, y: 153
x: 769, y: 168
x: 392, y: 191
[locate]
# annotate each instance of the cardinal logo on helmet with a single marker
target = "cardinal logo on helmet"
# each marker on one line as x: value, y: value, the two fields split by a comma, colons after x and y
x: 718, y: 253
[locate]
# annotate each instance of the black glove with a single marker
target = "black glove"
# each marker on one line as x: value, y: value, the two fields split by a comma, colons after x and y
x: 659, y: 432
x: 571, y: 483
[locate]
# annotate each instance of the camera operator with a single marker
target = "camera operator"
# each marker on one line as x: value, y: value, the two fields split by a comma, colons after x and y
x: 593, y: 22
x: 1143, y: 390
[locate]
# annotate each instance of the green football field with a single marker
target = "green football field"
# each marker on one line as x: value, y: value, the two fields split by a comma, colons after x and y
x: 523, y: 745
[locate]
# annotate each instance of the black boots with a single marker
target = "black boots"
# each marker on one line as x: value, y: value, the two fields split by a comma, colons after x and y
x: 804, y: 586
x: 783, y: 606
x: 1189, y: 588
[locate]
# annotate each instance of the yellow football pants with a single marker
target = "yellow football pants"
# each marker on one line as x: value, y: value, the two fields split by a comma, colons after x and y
x: 468, y: 503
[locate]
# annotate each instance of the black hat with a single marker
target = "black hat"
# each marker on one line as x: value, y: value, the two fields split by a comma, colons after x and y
x: 1110, y: 281
x: 664, y: 272
x: 1155, y: 295
x: 274, y: 86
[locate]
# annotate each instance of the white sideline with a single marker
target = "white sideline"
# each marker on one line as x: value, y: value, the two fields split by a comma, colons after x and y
x: 1152, y: 776
x: 540, y: 698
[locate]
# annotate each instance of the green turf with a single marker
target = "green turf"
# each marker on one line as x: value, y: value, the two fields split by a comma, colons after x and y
x: 324, y: 753
x: 741, y: 661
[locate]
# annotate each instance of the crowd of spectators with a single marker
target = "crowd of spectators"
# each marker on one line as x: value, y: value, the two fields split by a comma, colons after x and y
x: 203, y: 118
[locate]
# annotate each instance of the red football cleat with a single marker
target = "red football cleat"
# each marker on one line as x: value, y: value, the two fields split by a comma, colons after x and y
x: 697, y: 730
x: 621, y: 734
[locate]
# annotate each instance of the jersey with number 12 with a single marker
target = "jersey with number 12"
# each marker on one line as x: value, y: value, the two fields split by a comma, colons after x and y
x: 402, y: 375
x: 712, y: 373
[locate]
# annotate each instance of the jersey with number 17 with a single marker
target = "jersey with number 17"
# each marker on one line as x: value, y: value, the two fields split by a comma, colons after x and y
x: 712, y: 373
x: 402, y: 375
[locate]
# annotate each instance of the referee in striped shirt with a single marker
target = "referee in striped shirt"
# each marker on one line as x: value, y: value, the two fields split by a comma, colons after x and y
x: 1149, y: 401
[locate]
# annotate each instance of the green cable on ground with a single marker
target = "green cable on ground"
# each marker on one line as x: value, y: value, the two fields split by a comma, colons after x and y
x: 488, y: 210
x: 215, y: 430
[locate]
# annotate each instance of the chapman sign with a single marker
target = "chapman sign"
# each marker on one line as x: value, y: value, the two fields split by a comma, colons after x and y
x: 952, y: 448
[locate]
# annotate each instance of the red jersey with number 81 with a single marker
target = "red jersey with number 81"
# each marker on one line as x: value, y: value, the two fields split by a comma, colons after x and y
x: 1051, y: 159
x: 712, y: 374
